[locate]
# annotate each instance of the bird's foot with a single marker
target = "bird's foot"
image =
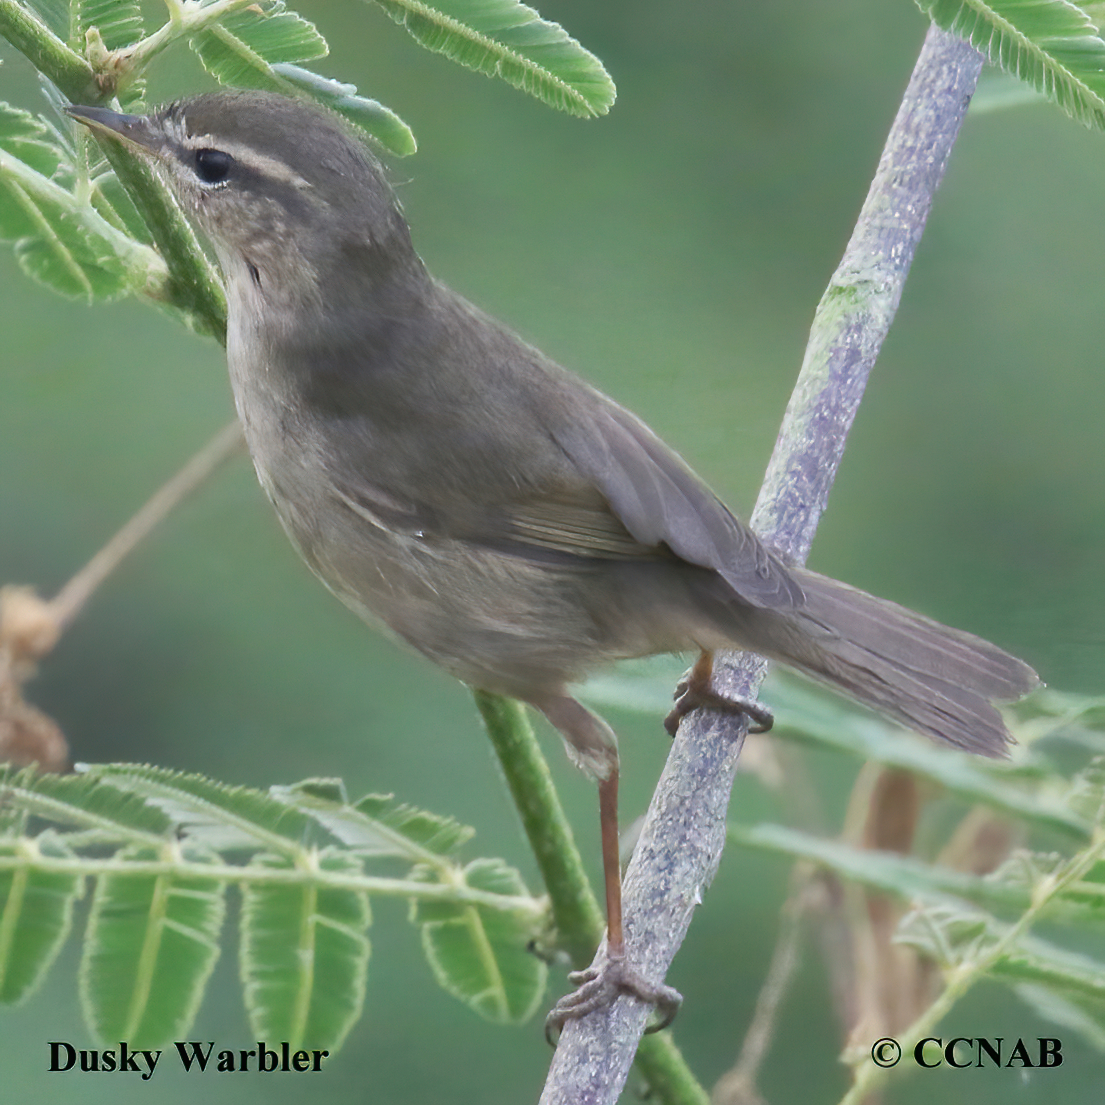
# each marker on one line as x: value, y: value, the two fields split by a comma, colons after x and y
x: 693, y: 693
x: 599, y: 987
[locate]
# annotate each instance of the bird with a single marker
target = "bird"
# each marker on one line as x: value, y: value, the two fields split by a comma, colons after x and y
x: 449, y: 482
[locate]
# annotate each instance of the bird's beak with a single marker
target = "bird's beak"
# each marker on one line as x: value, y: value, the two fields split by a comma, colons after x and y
x: 135, y: 130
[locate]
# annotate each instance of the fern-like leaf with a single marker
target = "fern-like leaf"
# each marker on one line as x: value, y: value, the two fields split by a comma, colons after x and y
x: 1051, y: 44
x: 152, y: 944
x: 119, y: 22
x: 304, y: 957
x: 439, y: 835
x: 58, y: 237
x: 482, y: 956
x: 215, y: 815
x: 507, y: 39
x: 377, y: 121
x: 163, y: 848
x: 36, y: 911
x: 241, y: 49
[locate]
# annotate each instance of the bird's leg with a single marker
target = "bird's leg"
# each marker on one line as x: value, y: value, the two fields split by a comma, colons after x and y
x: 611, y: 862
x: 600, y: 985
x: 695, y: 691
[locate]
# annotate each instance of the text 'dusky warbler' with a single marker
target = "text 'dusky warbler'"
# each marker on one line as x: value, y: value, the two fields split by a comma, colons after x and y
x: 507, y: 520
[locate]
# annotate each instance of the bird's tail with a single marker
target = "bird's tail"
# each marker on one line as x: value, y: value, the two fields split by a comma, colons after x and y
x: 939, y: 681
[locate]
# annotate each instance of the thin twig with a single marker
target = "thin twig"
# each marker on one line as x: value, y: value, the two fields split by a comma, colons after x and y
x: 738, y: 1085
x: 71, y: 598
x: 684, y: 830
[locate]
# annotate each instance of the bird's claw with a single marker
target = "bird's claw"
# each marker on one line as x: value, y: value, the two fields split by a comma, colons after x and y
x: 691, y: 695
x: 599, y: 987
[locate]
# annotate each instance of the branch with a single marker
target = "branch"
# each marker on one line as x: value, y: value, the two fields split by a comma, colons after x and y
x: 681, y: 842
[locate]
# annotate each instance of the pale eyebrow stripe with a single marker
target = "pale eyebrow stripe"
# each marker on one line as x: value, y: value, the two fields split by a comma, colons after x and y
x: 262, y: 163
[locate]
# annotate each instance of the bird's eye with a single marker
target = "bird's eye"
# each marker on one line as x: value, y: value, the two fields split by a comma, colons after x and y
x: 213, y: 166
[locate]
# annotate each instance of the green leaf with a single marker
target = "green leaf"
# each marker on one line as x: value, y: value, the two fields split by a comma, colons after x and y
x: 1079, y: 718
x: 151, y: 946
x: 110, y: 199
x: 1010, y: 887
x: 1087, y: 792
x: 997, y: 91
x: 158, y: 903
x: 60, y: 239
x: 371, y: 116
x: 1013, y: 886
x: 1034, y: 960
x: 1050, y: 44
x: 957, y: 935
x: 481, y: 955
x: 1065, y: 1012
x: 63, y: 257
x: 241, y: 49
x: 904, y: 876
x: 304, y: 956
x: 118, y: 21
x: 54, y: 13
x: 88, y: 803
x: 429, y: 831
x: 377, y: 826
x: 260, y: 50
x: 214, y: 815
x: 36, y: 911
x: 27, y: 138
x: 504, y: 38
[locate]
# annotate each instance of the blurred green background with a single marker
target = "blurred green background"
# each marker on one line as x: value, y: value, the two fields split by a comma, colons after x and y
x: 672, y: 253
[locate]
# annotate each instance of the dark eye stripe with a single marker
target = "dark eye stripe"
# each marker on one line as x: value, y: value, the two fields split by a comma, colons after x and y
x: 213, y: 166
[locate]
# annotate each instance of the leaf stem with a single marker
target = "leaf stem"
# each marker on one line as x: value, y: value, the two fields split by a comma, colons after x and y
x: 47, y: 53
x: 184, y: 19
x: 258, y: 874
x: 193, y: 286
x: 73, y: 596
x: 576, y: 911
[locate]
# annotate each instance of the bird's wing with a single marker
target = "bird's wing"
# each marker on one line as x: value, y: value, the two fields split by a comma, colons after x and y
x: 381, y: 510
x: 661, y: 502
x: 623, y: 495
x: 558, y: 522
x: 579, y: 524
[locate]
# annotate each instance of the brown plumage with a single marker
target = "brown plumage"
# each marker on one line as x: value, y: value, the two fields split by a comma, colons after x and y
x: 511, y: 523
